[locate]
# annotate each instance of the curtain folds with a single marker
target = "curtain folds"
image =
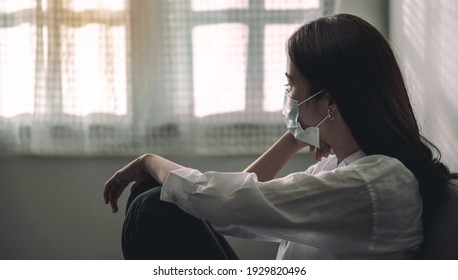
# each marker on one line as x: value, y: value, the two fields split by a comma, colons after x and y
x: 123, y: 77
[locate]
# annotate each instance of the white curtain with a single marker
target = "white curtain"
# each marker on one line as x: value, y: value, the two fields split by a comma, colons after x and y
x: 119, y: 77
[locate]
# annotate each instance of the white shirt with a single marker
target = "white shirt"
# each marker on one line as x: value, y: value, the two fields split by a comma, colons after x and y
x: 367, y: 207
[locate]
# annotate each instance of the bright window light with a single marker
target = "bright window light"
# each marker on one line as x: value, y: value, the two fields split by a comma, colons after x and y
x: 219, y: 68
x: 275, y: 64
x: 111, y: 5
x: 11, y: 6
x: 17, y: 70
x: 90, y: 65
x: 291, y: 4
x: 214, y: 5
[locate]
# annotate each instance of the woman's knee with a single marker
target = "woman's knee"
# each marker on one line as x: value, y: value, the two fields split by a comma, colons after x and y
x: 145, y: 191
x: 157, y: 229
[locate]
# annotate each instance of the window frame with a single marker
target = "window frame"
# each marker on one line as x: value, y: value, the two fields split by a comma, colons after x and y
x: 255, y: 51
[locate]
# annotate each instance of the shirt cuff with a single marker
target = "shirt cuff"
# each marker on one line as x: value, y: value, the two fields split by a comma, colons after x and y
x: 176, y: 189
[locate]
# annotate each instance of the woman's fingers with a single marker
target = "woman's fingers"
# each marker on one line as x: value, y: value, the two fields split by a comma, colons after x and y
x: 107, y: 191
x: 114, y: 187
x: 114, y: 203
x: 113, y: 190
x: 322, y: 152
x: 110, y: 185
x: 326, y: 150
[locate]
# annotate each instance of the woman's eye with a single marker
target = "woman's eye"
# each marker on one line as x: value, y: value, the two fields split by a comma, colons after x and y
x: 288, y: 88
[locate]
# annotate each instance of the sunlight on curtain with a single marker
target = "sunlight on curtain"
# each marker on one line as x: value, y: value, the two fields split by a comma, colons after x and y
x: 119, y: 77
x: 226, y: 78
x: 95, y: 79
x: 292, y: 4
x: 17, y: 67
x: 275, y: 57
x: 16, y: 6
x: 82, y: 5
x: 17, y: 70
x: 216, y: 91
x: 212, y: 5
x: 94, y: 70
x: 64, y: 76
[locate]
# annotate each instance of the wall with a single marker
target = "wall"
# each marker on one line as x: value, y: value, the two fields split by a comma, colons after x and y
x: 52, y: 208
x: 374, y: 11
x: 424, y: 35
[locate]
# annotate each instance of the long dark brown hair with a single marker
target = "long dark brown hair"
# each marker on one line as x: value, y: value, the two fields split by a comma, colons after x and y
x: 352, y: 60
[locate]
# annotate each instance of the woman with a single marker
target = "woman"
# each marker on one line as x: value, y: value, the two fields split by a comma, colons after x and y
x: 370, y: 200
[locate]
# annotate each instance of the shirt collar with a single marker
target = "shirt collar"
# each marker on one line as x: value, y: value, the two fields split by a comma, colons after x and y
x: 351, y: 158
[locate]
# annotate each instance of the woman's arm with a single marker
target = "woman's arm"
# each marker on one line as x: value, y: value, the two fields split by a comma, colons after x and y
x: 267, y: 166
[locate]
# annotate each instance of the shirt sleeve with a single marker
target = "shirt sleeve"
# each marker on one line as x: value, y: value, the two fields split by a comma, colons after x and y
x: 311, y: 209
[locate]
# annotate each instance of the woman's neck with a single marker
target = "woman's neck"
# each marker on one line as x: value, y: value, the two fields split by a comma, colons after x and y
x: 344, y: 143
x: 343, y: 149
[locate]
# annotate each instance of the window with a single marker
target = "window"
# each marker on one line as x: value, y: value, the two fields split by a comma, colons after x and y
x: 71, y: 50
x: 235, y: 52
x: 17, y: 68
x: 112, y: 77
x: 62, y: 63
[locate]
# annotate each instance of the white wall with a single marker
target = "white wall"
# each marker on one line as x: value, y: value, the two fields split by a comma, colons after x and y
x: 425, y: 36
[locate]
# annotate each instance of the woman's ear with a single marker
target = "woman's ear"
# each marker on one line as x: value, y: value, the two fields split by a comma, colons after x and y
x: 331, y: 103
x: 333, y: 107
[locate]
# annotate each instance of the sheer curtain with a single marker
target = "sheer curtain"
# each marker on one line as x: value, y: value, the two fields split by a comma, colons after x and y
x: 64, y: 76
x: 119, y: 77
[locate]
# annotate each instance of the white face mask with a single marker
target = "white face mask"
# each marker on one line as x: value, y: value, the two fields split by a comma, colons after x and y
x: 311, y: 135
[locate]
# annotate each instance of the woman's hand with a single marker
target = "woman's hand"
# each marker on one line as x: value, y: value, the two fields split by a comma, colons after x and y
x: 137, y: 171
x: 132, y: 172
x: 321, y: 152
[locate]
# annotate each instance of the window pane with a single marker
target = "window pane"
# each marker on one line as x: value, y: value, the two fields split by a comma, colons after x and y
x: 11, y: 6
x: 219, y: 68
x: 81, y: 5
x: 17, y: 68
x: 291, y: 4
x: 275, y: 64
x: 213, y: 5
x: 94, y: 70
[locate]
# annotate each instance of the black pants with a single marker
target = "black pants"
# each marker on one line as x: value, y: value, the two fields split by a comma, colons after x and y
x: 158, y: 230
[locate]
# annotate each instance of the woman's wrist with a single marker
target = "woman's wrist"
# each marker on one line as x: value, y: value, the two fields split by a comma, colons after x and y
x: 296, y: 145
x: 157, y: 166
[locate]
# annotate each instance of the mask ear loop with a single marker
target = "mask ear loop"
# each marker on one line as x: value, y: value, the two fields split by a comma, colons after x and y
x: 330, y: 116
